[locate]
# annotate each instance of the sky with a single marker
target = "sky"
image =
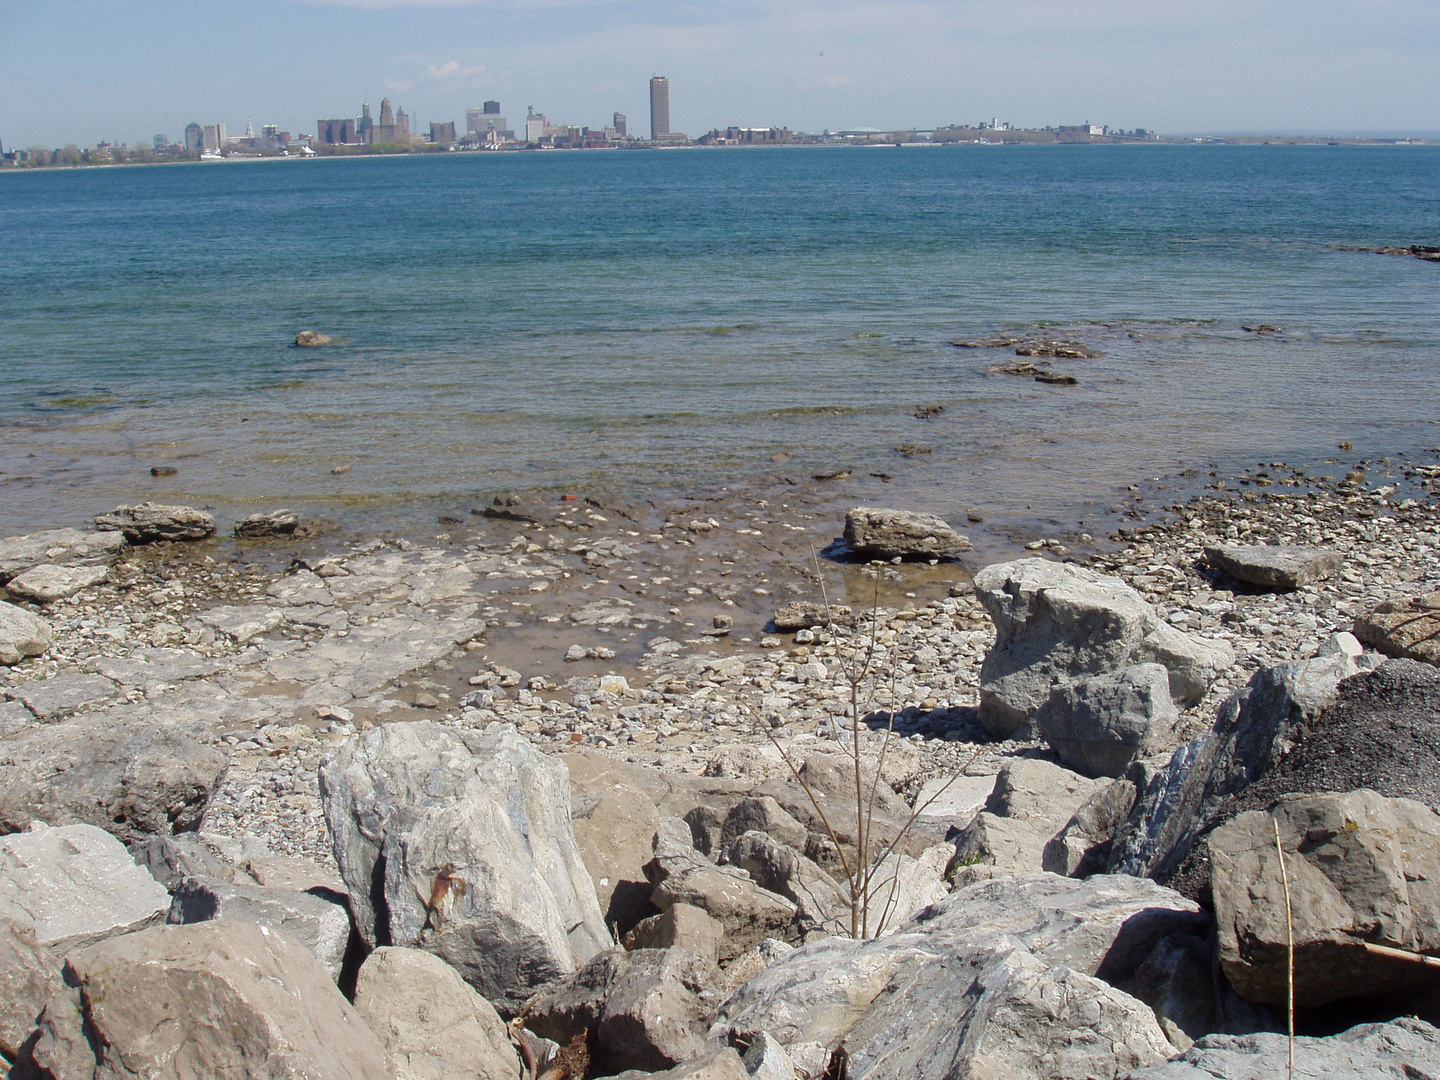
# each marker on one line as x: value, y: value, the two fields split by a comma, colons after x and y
x: 79, y: 71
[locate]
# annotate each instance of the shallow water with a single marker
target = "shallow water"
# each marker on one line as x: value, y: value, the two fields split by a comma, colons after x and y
x: 651, y: 321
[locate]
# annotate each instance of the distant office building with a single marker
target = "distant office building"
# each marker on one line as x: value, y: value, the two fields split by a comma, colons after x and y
x: 270, y: 131
x: 194, y: 137
x: 338, y: 132
x: 393, y: 127
x: 535, y: 126
x: 159, y: 142
x: 213, y: 137
x: 443, y: 134
x: 366, y: 124
x: 659, y: 106
x: 479, y: 123
x: 619, y: 124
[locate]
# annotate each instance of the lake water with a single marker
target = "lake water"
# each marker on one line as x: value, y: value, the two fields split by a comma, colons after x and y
x: 647, y: 321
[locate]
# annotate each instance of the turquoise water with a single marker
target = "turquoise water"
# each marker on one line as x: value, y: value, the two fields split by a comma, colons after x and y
x: 646, y: 320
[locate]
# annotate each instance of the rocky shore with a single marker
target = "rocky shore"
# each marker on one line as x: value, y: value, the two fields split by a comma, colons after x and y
x: 669, y: 689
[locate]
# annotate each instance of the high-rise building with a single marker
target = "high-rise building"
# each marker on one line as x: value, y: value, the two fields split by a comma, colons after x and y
x: 337, y: 132
x: 194, y: 137
x: 535, y: 126
x: 213, y: 137
x: 619, y: 124
x: 659, y: 106
x: 366, y: 124
x: 443, y: 134
x: 481, y: 122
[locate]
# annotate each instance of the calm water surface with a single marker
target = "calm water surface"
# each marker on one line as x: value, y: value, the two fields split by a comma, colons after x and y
x: 643, y: 321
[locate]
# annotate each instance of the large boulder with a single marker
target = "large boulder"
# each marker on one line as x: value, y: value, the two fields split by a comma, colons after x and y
x: 648, y: 1009
x: 459, y: 842
x: 129, y: 775
x: 723, y: 1064
x: 433, y: 1024
x: 1082, y: 847
x: 1377, y: 732
x: 899, y: 534
x: 1057, y: 623
x: 1362, y: 869
x: 213, y: 999
x: 75, y: 885
x: 1031, y: 802
x: 1407, y: 627
x: 22, y: 634
x: 1179, y: 800
x: 29, y: 977
x: 57, y: 547
x: 148, y: 522
x: 317, y: 920
x: 821, y: 903
x: 681, y: 927
x: 1004, y: 970
x: 1282, y: 567
x: 1404, y: 1049
x: 1100, y: 725
x: 615, y: 826
x: 748, y: 913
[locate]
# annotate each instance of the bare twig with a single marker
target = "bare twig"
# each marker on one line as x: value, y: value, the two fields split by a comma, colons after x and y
x: 1289, y: 950
x: 1402, y: 954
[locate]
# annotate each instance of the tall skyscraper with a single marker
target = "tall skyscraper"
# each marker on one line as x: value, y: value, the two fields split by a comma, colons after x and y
x: 194, y: 137
x: 659, y: 106
x: 492, y: 108
x: 619, y: 124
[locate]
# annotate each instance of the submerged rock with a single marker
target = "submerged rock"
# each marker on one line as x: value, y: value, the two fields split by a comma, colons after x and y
x: 312, y: 339
x: 269, y: 523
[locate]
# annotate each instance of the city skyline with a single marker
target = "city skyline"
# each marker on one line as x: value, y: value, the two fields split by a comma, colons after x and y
x: 156, y: 65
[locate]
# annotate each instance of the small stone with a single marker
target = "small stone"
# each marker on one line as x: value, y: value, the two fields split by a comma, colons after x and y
x: 270, y: 523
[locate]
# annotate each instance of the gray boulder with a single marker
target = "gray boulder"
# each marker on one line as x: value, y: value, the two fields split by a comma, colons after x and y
x: 1003, y: 971
x: 1082, y: 847
x: 748, y: 913
x: 1056, y: 623
x: 764, y: 815
x: 312, y: 339
x: 171, y: 859
x: 21, y: 634
x: 898, y: 534
x: 1362, y: 869
x: 459, y: 842
x: 767, y: 1059
x: 148, y: 522
x: 1100, y: 725
x: 1404, y: 1049
x: 129, y: 775
x: 268, y: 523
x: 681, y: 927
x: 213, y: 999
x: 317, y: 920
x: 433, y: 1024
x: 1181, y: 799
x: 821, y: 903
x: 57, y: 547
x: 1280, y: 567
x: 75, y: 885
x: 46, y: 584
x: 1031, y: 802
x: 648, y: 1009
x: 29, y: 977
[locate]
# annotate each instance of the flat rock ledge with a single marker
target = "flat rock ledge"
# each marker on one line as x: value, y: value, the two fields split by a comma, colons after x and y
x: 1283, y: 567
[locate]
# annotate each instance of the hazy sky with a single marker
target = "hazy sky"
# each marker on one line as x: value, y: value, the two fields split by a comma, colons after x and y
x: 84, y: 70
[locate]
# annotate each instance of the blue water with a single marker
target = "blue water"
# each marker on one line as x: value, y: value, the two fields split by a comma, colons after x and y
x: 647, y: 320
